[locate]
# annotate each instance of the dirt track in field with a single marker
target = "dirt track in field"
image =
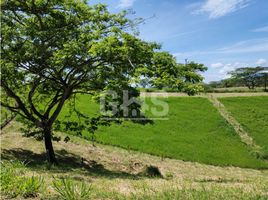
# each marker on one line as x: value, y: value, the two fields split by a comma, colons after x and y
x: 176, y: 94
x: 213, y: 98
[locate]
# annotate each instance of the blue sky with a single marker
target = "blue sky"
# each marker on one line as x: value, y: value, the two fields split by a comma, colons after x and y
x: 222, y: 34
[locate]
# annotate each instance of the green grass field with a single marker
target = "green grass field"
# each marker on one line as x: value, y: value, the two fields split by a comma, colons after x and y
x: 252, y: 114
x: 195, y: 131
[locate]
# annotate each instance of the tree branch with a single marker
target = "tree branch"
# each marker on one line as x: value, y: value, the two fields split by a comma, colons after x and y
x: 65, y: 96
x: 21, y: 105
x: 30, y: 96
x: 54, y: 101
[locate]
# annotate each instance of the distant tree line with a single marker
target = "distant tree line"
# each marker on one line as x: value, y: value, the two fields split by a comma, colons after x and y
x: 250, y: 77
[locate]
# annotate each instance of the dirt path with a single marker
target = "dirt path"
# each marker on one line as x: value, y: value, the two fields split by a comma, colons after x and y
x: 177, y: 94
x: 213, y: 97
x: 234, y: 123
x: 239, y: 94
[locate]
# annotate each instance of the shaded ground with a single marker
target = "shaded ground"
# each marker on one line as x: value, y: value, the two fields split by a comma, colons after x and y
x: 110, y: 169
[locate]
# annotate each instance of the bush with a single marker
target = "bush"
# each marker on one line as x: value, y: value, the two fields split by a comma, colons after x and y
x: 68, y: 190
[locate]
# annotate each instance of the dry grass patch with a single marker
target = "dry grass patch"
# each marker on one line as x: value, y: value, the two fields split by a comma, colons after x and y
x: 113, y: 171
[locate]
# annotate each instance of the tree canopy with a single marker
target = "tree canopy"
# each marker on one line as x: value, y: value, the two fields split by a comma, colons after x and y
x: 165, y: 72
x: 247, y: 76
x: 52, y: 50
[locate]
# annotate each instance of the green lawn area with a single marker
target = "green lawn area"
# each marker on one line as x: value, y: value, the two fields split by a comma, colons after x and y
x: 252, y: 114
x: 195, y: 131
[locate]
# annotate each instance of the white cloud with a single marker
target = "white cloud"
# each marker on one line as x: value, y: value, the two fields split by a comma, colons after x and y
x: 223, y: 72
x: 125, y: 3
x: 220, y: 8
x: 223, y: 69
x: 261, y: 62
x: 246, y: 46
x: 261, y: 29
x: 217, y: 65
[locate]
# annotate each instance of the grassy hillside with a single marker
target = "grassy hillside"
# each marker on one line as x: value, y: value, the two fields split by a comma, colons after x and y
x: 194, y: 132
x: 252, y: 113
x: 113, y: 173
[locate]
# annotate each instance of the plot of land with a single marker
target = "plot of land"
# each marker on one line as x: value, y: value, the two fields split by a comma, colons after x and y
x: 113, y: 173
x: 252, y: 113
x: 194, y: 131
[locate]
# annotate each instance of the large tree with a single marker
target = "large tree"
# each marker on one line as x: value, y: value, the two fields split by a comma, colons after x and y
x: 247, y: 76
x: 52, y: 50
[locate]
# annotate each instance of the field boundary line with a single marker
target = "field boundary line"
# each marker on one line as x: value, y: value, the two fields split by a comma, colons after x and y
x: 244, y: 136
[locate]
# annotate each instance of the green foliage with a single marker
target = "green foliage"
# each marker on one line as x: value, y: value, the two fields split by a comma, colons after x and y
x: 52, y: 50
x: 14, y: 183
x: 69, y: 190
x: 165, y: 72
x: 247, y: 76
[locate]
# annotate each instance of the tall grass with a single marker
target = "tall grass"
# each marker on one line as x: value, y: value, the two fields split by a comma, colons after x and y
x: 15, y: 183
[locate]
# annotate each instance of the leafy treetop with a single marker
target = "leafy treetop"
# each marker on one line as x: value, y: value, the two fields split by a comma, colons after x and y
x: 52, y: 50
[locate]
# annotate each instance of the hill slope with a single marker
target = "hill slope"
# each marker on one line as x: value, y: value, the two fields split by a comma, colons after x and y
x: 194, y: 131
x: 114, y: 173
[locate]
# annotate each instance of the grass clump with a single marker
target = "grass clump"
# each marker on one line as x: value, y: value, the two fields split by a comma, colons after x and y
x: 15, y: 183
x: 152, y: 171
x: 69, y: 190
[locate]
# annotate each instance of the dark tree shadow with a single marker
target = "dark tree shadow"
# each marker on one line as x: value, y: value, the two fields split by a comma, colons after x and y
x: 67, y: 162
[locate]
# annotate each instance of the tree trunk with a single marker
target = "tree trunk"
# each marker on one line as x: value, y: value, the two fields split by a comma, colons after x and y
x: 49, y: 147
